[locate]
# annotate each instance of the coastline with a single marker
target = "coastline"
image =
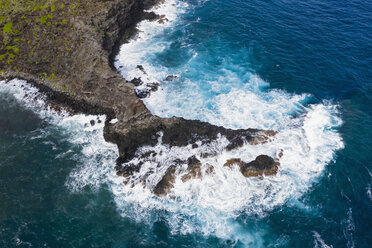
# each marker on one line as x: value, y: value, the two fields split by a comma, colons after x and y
x: 98, y: 88
x: 235, y: 64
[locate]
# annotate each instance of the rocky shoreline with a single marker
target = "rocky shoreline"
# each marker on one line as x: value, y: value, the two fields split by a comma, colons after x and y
x: 66, y: 49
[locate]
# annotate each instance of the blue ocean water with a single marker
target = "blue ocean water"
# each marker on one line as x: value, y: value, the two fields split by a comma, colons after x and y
x: 301, y: 68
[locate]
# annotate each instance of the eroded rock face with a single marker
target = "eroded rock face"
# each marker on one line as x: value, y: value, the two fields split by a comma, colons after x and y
x: 262, y: 165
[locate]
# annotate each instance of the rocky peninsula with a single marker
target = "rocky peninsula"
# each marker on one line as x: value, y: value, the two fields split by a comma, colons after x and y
x: 66, y: 49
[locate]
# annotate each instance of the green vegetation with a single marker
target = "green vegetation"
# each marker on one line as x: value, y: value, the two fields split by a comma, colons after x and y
x: 38, y: 37
x: 8, y: 27
x: 26, y: 25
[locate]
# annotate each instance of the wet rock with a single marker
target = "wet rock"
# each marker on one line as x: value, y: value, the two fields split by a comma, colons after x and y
x: 140, y: 67
x: 262, y: 165
x: 136, y: 81
x: 128, y: 170
x: 235, y: 142
x: 263, y: 139
x: 208, y: 154
x: 162, y: 19
x: 210, y: 170
x: 146, y: 89
x: 150, y: 16
x: 170, y: 78
x: 92, y: 122
x: 166, y: 183
x: 280, y: 155
x: 193, y: 169
x: 192, y: 161
x: 234, y: 161
x: 153, y: 86
x: 142, y: 93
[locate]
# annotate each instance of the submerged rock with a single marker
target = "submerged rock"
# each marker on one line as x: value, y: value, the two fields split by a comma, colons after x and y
x: 171, y: 77
x: 210, y: 170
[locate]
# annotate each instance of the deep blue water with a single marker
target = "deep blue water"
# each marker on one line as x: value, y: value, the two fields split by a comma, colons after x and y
x: 233, y: 57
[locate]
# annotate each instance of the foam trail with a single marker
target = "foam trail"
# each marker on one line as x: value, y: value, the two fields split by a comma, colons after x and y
x: 349, y: 228
x: 319, y: 242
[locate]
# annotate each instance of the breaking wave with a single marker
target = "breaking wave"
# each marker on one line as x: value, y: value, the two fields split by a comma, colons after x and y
x: 231, y: 97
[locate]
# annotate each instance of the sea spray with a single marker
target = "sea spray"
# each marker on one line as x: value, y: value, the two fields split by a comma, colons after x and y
x: 229, y: 96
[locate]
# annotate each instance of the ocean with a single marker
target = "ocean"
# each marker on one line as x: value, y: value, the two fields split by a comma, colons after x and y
x: 302, y: 68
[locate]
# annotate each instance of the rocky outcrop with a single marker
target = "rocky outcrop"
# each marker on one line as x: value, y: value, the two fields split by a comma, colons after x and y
x: 66, y: 49
x: 193, y: 169
x: 170, y: 78
x: 262, y: 165
x: 166, y: 183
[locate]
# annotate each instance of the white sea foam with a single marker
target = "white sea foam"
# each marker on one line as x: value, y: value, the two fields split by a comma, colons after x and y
x: 97, y: 156
x: 349, y: 228
x: 216, y: 200
x: 29, y: 97
x: 127, y: 61
x: 307, y: 136
x: 319, y: 242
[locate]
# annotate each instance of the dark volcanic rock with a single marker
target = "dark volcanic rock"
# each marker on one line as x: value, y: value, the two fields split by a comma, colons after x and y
x: 193, y: 169
x: 146, y: 91
x: 170, y: 77
x: 136, y: 81
x: 162, y: 19
x: 166, y: 183
x: 140, y: 67
x: 262, y: 165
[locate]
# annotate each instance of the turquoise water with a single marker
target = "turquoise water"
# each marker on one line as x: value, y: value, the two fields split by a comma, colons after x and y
x: 302, y: 68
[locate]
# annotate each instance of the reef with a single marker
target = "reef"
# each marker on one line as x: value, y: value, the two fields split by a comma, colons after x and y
x: 66, y: 49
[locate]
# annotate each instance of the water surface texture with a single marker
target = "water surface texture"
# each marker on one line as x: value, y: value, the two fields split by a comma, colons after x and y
x: 303, y: 69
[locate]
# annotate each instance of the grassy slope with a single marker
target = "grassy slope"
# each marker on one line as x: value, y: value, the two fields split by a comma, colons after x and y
x: 40, y: 35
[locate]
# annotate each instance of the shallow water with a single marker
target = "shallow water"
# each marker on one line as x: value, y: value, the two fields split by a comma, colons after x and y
x: 302, y: 69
